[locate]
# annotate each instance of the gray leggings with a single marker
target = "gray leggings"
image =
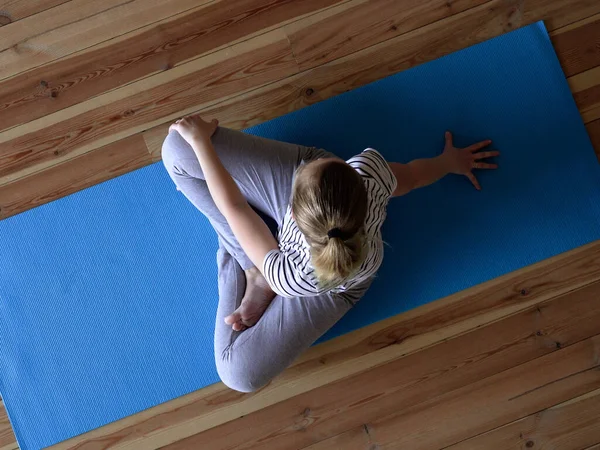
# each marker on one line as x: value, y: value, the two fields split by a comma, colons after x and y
x: 264, y: 170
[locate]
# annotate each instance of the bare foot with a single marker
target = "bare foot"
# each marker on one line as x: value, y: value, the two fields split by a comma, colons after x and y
x: 257, y: 297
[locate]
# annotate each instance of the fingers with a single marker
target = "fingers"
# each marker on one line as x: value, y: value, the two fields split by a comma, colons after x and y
x: 479, y: 145
x: 483, y: 155
x: 484, y: 166
x: 448, y: 137
x: 471, y: 177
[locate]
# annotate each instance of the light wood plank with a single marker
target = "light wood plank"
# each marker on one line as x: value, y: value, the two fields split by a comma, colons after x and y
x: 85, y: 171
x: 488, y: 403
x: 570, y: 425
x: 7, y: 437
x: 13, y: 10
x: 135, y: 55
x: 587, y: 98
x: 356, y: 352
x: 128, y: 110
x: 76, y: 25
x: 578, y: 49
x: 358, y: 24
x: 350, y: 402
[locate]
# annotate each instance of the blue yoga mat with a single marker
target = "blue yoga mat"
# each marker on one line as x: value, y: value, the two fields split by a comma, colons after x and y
x: 108, y: 296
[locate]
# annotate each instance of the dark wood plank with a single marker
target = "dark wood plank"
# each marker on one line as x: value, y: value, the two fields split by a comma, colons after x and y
x: 71, y: 80
x: 256, y: 62
x: 568, y: 426
x: 579, y: 49
x: 486, y: 404
x: 14, y: 10
x: 350, y: 402
x: 84, y: 171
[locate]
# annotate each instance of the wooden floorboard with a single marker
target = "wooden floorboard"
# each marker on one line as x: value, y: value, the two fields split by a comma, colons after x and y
x: 13, y: 10
x: 570, y: 425
x: 578, y: 49
x: 77, y: 25
x: 82, y: 102
x: 486, y: 404
x: 138, y: 54
x: 249, y: 64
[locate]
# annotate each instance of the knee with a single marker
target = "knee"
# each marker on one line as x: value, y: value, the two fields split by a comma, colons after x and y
x: 169, y: 151
x: 240, y: 377
x: 175, y: 151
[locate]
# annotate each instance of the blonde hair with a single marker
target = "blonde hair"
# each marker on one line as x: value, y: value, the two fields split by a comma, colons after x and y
x: 329, y: 203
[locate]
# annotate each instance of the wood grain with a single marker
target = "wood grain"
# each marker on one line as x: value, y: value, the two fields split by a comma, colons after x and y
x: 570, y: 425
x: 87, y: 170
x: 458, y: 362
x: 486, y: 404
x: 579, y: 49
x: 7, y: 437
x: 74, y: 26
x: 557, y: 14
x: 588, y: 100
x: 356, y: 352
x: 128, y: 110
x: 358, y: 24
x: 593, y: 129
x: 16, y: 35
x: 13, y: 10
x: 152, y: 49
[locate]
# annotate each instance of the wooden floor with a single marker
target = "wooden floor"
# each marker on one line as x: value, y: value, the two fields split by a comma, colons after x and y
x: 87, y: 90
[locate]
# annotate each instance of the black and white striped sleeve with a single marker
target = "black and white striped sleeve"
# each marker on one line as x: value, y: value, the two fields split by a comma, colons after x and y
x: 371, y: 164
x: 284, y: 278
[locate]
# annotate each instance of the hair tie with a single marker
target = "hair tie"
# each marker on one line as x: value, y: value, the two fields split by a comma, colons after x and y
x: 335, y: 233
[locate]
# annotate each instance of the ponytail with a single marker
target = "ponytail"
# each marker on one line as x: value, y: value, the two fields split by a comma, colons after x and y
x: 329, y: 204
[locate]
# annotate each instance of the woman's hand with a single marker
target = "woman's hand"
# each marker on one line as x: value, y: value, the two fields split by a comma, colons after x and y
x: 194, y: 129
x: 462, y: 161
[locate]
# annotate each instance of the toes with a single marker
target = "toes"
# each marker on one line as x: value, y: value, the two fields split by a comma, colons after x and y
x: 233, y: 318
x: 238, y: 326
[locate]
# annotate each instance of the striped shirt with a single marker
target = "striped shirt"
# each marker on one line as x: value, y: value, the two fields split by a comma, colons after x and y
x: 289, y: 271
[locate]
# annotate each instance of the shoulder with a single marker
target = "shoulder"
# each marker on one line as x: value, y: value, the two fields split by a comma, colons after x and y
x: 372, y: 165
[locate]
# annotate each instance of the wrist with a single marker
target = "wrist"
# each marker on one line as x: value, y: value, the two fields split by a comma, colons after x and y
x: 200, y: 142
x: 446, y: 163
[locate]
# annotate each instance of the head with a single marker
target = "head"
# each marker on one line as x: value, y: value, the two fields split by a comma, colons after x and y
x: 329, y: 204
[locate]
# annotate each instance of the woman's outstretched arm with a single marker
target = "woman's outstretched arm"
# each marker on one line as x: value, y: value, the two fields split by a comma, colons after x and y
x: 423, y: 172
x: 249, y: 229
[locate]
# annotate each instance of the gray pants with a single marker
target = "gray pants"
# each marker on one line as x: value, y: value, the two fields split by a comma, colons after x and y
x: 264, y: 170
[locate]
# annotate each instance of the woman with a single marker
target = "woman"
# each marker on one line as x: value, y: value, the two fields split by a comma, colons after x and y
x: 277, y: 297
